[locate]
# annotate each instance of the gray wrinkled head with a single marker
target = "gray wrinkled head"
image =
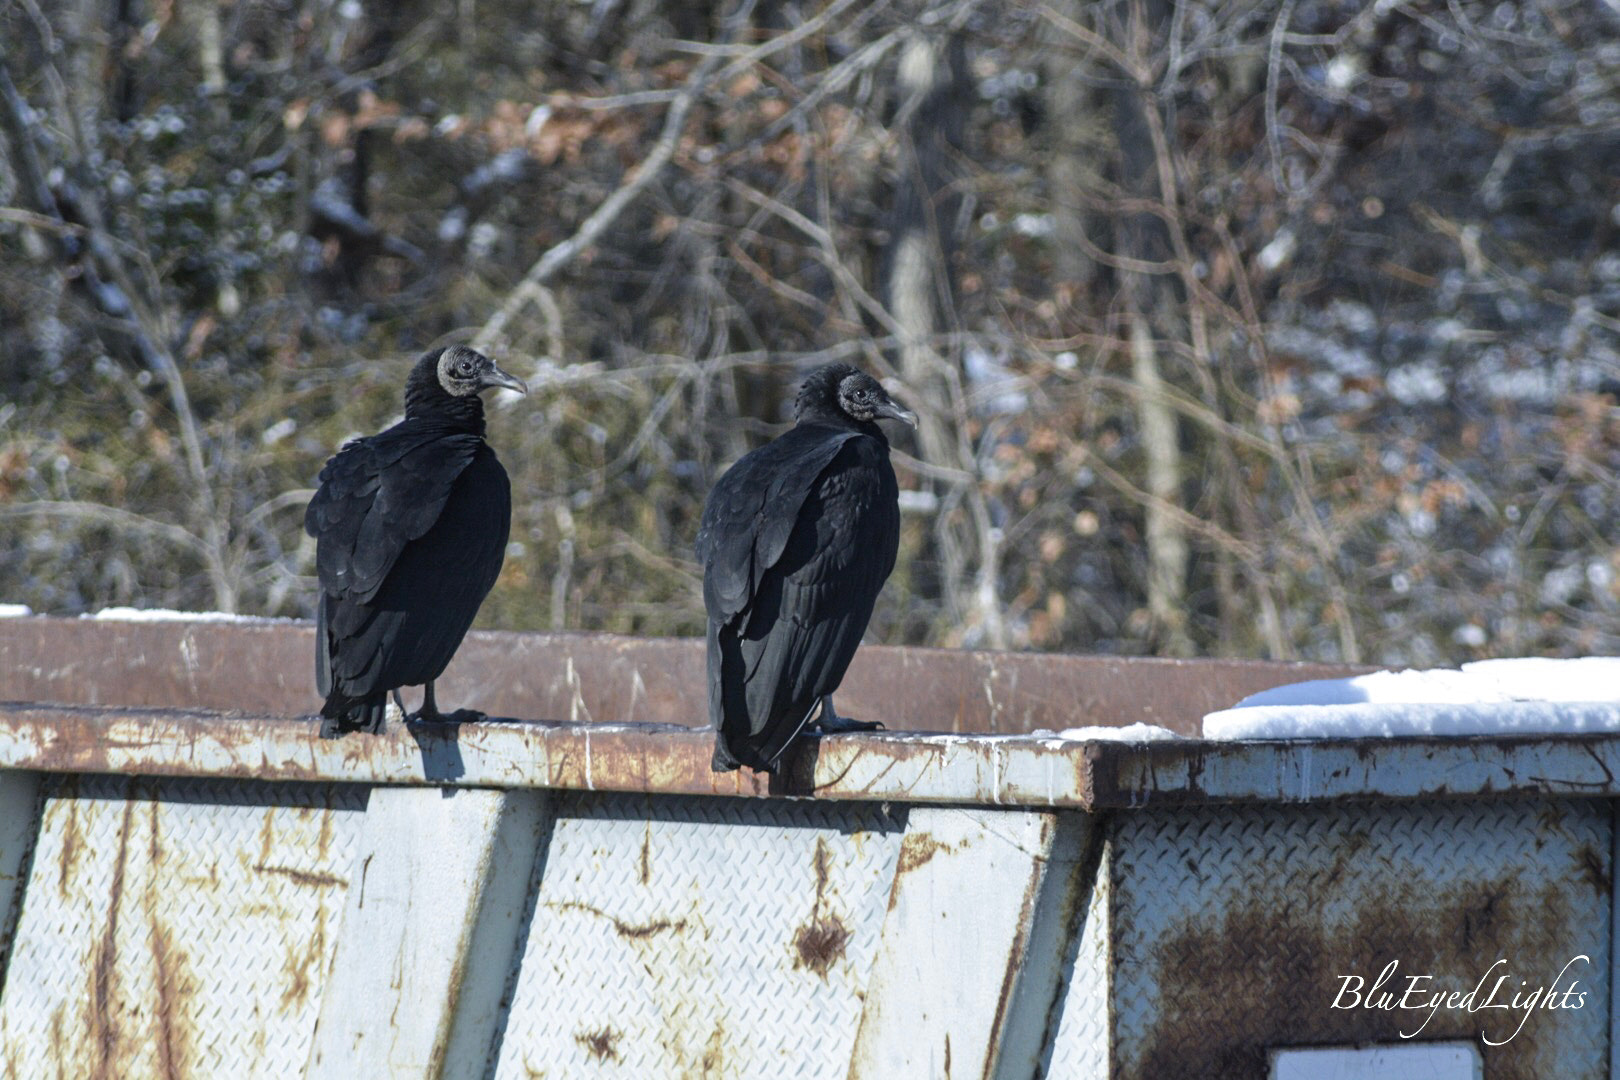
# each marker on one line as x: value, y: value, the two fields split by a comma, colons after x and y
x: 863, y: 398
x: 463, y: 371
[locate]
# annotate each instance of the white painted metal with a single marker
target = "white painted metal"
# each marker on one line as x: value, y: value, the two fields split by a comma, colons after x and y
x: 1423, y: 1061
x: 183, y: 928
x: 1079, y: 1049
x: 961, y: 909
x: 696, y: 937
x: 1041, y: 960
x: 176, y: 928
x: 429, y: 931
x: 995, y: 771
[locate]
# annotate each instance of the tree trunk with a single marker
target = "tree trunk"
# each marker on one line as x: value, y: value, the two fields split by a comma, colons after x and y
x: 1151, y: 307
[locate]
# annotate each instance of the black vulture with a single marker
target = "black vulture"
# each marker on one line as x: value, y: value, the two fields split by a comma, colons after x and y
x: 796, y: 541
x: 410, y: 528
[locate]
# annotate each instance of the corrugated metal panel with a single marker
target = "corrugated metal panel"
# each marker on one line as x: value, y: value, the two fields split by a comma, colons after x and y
x: 700, y: 937
x: 177, y: 928
x: 1231, y: 927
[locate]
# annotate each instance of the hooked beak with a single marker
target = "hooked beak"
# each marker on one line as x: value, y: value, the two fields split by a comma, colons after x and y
x: 889, y: 410
x: 496, y: 377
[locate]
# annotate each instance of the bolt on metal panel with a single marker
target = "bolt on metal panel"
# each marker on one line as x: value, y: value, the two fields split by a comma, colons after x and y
x: 177, y: 928
x: 700, y: 937
x: 1232, y: 926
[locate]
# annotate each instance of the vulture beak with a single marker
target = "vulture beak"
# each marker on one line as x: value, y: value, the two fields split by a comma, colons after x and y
x: 889, y: 410
x: 496, y: 377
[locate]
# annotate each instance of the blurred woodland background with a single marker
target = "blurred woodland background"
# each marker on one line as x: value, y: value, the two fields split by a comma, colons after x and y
x: 1282, y: 328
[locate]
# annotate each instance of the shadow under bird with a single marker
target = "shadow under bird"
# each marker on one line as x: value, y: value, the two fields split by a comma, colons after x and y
x: 796, y: 541
x: 410, y: 529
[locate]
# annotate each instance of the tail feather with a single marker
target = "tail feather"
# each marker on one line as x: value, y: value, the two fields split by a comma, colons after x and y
x: 341, y: 715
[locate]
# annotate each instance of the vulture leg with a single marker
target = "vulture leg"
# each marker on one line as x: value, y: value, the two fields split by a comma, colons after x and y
x: 429, y: 712
x: 830, y: 723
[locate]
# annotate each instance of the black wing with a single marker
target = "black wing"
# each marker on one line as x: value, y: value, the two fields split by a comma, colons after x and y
x: 751, y: 512
x: 376, y: 495
x: 772, y: 661
x: 410, y: 528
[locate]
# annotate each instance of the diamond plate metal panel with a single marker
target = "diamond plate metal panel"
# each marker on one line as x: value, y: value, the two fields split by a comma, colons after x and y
x: 1079, y: 1049
x: 177, y: 928
x: 1231, y: 928
x: 701, y: 937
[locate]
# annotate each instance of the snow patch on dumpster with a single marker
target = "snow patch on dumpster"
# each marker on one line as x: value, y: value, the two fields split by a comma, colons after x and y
x: 1488, y: 697
x: 1133, y: 733
x: 129, y: 614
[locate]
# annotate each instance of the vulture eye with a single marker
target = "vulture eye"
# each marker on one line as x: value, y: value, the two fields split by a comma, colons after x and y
x: 465, y: 369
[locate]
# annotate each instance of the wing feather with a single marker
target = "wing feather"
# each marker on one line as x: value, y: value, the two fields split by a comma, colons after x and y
x: 788, y: 610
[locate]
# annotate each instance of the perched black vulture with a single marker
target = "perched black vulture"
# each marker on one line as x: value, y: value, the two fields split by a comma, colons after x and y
x: 796, y: 541
x: 410, y: 528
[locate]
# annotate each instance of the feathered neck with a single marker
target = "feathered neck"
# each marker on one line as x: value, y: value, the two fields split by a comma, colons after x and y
x: 426, y: 399
x: 817, y: 402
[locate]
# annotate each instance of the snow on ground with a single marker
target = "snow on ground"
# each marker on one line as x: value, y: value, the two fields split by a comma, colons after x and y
x: 15, y: 611
x: 129, y: 614
x: 1488, y: 697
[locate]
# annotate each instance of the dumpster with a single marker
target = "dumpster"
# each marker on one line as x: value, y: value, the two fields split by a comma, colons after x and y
x: 193, y: 885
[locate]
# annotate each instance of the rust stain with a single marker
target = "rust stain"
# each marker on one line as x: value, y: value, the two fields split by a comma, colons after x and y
x: 916, y: 848
x: 267, y: 835
x: 820, y: 944
x: 173, y: 986
x: 626, y: 930
x: 602, y: 1045
x: 1596, y: 869
x: 1244, y: 946
x: 646, y: 854
x: 323, y: 842
x: 103, y: 1003
x: 311, y: 878
x: 303, y: 964
x: 714, y: 1056
x: 72, y: 838
x: 821, y: 941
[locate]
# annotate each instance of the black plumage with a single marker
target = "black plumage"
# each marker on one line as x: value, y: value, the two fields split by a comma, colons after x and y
x: 796, y: 541
x: 410, y: 528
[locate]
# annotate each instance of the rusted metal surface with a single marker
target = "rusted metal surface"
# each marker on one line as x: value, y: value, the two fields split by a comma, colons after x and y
x: 201, y: 885
x: 1231, y: 928
x: 1193, y: 772
x: 701, y: 938
x: 176, y: 929
x: 913, y: 768
x: 268, y: 668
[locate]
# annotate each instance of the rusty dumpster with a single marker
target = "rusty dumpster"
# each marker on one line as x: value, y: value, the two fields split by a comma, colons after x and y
x: 193, y: 885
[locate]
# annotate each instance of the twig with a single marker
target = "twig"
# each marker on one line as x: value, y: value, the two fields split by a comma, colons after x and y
x: 108, y: 515
x: 561, y: 254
